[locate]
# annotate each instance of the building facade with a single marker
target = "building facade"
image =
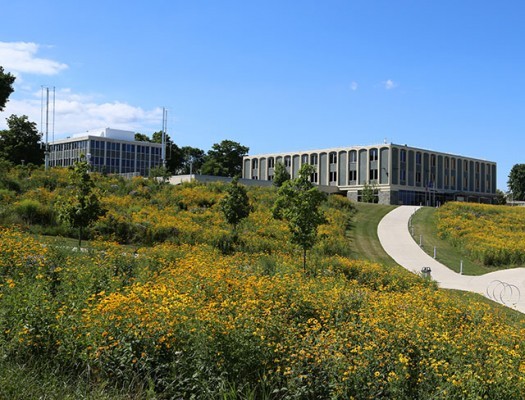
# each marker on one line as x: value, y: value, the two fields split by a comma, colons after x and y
x: 393, y: 174
x: 108, y: 151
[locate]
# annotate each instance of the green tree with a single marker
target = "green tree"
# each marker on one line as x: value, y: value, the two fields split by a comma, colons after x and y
x: 6, y: 87
x: 173, y: 152
x: 192, y: 159
x: 225, y: 159
x: 82, y: 206
x: 20, y: 143
x: 236, y: 204
x: 140, y: 137
x: 501, y: 198
x: 280, y: 174
x: 299, y: 203
x: 516, y: 182
x: 368, y: 194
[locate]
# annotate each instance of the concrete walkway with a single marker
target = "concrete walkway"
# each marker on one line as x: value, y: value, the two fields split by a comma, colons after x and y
x: 506, y: 287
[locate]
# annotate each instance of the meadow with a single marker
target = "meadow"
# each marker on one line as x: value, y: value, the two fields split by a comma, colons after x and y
x: 164, y: 302
x: 491, y: 235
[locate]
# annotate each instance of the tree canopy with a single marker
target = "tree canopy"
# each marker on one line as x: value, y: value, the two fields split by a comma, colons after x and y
x: 225, y: 159
x: 299, y: 203
x: 236, y: 204
x: 82, y: 207
x: 6, y: 87
x: 20, y: 143
x: 516, y: 182
x: 280, y: 174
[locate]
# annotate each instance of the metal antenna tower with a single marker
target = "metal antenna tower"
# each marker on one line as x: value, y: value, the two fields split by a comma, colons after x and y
x: 164, y: 130
x: 46, y: 143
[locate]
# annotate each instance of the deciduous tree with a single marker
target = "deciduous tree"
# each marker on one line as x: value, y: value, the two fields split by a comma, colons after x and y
x: 516, y: 182
x: 6, y: 87
x: 20, y: 143
x: 82, y: 206
x: 299, y: 203
x: 280, y: 174
x: 235, y: 205
x: 225, y: 159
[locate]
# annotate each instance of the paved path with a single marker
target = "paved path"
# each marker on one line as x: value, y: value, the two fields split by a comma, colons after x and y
x: 506, y: 286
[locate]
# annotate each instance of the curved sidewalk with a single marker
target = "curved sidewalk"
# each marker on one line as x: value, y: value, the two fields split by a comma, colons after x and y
x: 506, y: 287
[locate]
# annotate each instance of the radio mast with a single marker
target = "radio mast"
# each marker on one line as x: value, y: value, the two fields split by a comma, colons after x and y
x: 164, y: 129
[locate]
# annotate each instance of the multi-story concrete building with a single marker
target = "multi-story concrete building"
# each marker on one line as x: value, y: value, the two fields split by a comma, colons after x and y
x: 107, y: 150
x: 395, y: 174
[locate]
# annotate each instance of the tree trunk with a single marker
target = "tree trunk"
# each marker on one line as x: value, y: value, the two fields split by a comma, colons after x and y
x: 304, y: 259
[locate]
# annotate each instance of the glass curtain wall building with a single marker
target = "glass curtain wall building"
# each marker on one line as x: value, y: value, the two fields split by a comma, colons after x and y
x: 107, y: 151
x: 395, y: 174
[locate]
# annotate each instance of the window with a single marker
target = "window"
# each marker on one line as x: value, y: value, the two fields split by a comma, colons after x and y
x: 313, y: 177
x: 418, y: 177
x: 271, y: 162
x: 352, y: 176
x: 373, y: 154
x: 373, y: 174
x: 353, y: 156
x: 418, y: 158
x: 313, y: 159
x: 333, y: 176
x: 255, y: 163
x: 304, y: 159
x: 333, y: 158
x: 433, y: 160
x: 287, y: 161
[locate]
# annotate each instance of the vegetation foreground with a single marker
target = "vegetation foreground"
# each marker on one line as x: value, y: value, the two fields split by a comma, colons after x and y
x: 167, y: 302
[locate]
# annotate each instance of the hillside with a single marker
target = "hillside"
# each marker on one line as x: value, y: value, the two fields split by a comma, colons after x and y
x: 165, y: 302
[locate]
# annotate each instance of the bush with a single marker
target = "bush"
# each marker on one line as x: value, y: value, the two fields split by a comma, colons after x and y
x: 33, y: 212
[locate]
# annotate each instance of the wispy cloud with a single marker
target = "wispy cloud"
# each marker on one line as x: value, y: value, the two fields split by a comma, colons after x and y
x: 20, y: 57
x: 354, y: 86
x: 73, y: 112
x: 76, y: 113
x: 390, y: 84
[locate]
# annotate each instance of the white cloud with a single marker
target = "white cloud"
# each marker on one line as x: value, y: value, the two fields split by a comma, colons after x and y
x: 75, y: 113
x: 390, y: 84
x: 20, y: 57
x: 354, y: 86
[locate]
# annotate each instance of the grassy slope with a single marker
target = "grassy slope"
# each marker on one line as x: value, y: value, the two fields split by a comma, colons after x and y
x: 365, y: 243
x: 424, y: 223
x: 363, y: 234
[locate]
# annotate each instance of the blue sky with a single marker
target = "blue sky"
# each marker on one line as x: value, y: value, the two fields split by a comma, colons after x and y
x: 278, y: 75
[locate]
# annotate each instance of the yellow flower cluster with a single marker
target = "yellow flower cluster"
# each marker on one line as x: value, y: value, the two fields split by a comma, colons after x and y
x: 495, y: 235
x: 189, y: 319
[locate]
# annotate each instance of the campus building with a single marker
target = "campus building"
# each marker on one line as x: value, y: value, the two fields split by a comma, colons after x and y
x: 393, y: 174
x: 107, y: 150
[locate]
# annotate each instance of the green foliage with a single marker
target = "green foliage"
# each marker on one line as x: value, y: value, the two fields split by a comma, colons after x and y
x: 82, y: 206
x: 191, y: 160
x: 501, y: 198
x: 6, y: 87
x: 140, y: 137
x: 516, y: 182
x: 225, y: 159
x: 236, y: 204
x: 31, y: 211
x: 280, y: 174
x: 299, y: 203
x: 20, y: 143
x: 188, y: 312
x: 369, y: 193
